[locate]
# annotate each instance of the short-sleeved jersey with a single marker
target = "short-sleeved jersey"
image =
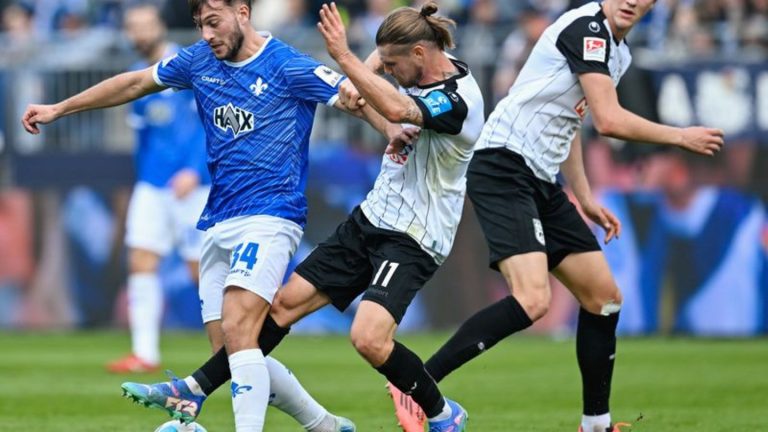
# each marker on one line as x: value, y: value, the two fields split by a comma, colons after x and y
x: 257, y: 116
x: 546, y: 105
x: 169, y: 135
x: 420, y: 191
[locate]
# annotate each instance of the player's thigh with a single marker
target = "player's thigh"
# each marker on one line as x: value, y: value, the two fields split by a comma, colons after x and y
x: 527, y: 277
x: 186, y: 213
x: 148, y: 221
x: 400, y: 269
x: 589, y: 278
x: 339, y: 267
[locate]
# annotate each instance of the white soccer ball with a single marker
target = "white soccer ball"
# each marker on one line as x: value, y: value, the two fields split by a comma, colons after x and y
x: 177, y: 426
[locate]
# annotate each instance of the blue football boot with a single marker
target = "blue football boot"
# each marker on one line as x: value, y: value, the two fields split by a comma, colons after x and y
x: 173, y: 397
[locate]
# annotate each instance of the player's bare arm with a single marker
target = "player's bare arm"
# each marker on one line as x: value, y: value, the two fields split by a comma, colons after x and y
x: 376, y: 91
x: 108, y: 93
x: 389, y: 130
x: 373, y: 62
x: 574, y: 173
x: 612, y: 120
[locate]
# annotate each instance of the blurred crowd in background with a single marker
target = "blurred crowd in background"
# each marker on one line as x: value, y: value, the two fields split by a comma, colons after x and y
x: 692, y: 258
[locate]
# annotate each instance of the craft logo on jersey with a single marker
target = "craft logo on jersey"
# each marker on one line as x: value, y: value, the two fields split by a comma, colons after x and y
x: 232, y: 117
x: 594, y: 49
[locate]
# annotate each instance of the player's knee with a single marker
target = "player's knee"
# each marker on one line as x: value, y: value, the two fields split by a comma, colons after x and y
x: 603, y: 302
x: 142, y: 261
x: 535, y: 300
x: 370, y: 345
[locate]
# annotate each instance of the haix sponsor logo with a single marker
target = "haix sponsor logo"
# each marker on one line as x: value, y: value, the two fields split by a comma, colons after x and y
x: 214, y: 80
x: 232, y: 117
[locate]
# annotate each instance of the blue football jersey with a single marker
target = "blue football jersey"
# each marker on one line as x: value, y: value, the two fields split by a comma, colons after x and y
x: 258, y: 115
x: 169, y: 135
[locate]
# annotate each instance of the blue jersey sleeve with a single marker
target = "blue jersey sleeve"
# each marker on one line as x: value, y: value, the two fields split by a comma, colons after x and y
x: 175, y: 71
x: 312, y: 81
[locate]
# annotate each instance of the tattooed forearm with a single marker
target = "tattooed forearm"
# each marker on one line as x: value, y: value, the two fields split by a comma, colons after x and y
x: 413, y: 115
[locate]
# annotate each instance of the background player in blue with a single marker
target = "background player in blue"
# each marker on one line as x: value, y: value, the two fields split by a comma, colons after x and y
x: 256, y: 97
x: 172, y: 185
x: 404, y: 229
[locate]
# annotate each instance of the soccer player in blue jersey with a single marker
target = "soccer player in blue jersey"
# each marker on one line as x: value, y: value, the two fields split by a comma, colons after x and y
x: 172, y: 184
x: 391, y: 244
x: 256, y: 97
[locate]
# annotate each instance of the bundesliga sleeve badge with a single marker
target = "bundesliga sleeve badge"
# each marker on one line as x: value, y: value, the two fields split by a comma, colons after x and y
x: 328, y: 75
x: 594, y: 49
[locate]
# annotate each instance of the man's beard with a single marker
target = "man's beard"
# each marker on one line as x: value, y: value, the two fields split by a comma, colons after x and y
x: 237, y: 43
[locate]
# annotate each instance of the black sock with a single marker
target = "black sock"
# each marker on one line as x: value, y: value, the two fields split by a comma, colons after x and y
x: 405, y: 371
x: 479, y: 333
x: 215, y: 372
x: 595, y: 350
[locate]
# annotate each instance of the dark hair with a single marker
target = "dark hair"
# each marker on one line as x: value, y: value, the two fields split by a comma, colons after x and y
x: 407, y: 26
x: 196, y: 5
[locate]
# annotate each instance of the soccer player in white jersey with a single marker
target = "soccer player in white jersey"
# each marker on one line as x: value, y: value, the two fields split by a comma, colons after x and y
x: 530, y: 225
x: 397, y: 238
x: 172, y: 184
x: 256, y: 97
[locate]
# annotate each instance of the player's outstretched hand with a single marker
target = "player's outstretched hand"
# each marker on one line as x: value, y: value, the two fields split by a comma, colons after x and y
x: 332, y: 28
x: 349, y: 96
x: 38, y: 114
x: 603, y: 217
x: 703, y: 140
x: 406, y: 136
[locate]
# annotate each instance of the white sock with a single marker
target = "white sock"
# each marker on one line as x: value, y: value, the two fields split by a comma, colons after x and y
x: 598, y: 423
x: 194, y: 386
x: 445, y: 414
x: 145, y: 312
x: 288, y: 395
x: 250, y: 389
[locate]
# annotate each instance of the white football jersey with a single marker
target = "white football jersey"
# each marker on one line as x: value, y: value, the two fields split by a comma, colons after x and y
x: 546, y: 105
x: 420, y: 191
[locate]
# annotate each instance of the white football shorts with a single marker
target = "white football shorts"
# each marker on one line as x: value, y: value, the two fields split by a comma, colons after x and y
x: 157, y: 221
x: 249, y: 252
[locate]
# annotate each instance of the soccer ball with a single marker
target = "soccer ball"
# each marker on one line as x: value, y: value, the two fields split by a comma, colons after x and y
x: 177, y: 426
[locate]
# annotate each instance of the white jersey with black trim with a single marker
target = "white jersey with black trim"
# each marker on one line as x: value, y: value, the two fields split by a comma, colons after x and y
x: 420, y: 191
x: 546, y: 105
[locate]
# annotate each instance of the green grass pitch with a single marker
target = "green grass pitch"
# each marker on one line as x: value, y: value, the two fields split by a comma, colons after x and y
x: 56, y: 382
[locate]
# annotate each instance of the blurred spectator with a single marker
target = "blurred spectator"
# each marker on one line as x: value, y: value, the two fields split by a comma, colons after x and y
x: 18, y: 38
x: 516, y: 48
x: 715, y: 266
x: 16, y: 257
